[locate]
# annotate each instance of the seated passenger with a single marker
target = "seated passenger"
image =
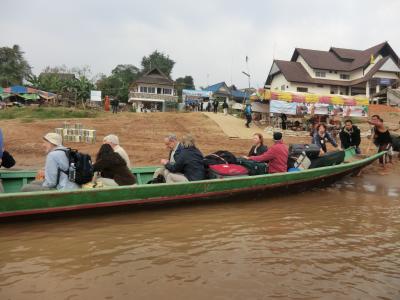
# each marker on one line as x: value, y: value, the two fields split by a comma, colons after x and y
x: 258, y: 147
x: 113, y: 141
x: 175, y: 148
x: 52, y: 176
x: 276, y: 155
x: 321, y: 137
x: 112, y: 168
x: 189, y: 164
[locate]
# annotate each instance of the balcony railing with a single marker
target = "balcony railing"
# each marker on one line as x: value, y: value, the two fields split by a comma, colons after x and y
x: 153, y: 96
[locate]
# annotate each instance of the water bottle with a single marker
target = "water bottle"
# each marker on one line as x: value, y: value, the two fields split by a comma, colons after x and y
x: 71, y: 172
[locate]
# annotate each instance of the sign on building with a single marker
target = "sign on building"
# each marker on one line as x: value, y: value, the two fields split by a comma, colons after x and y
x: 95, y: 95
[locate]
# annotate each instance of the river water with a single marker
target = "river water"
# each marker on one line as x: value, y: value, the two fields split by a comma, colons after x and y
x: 341, y: 242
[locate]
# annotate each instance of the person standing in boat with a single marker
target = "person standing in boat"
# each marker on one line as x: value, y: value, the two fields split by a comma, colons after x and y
x: 175, y: 148
x: 52, y: 177
x: 321, y: 137
x: 113, y: 141
x: 276, y: 156
x: 189, y: 165
x: 350, y: 136
x: 112, y: 168
x: 258, y: 147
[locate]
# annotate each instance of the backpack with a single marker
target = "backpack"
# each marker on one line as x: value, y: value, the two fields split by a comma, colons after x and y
x: 80, y: 168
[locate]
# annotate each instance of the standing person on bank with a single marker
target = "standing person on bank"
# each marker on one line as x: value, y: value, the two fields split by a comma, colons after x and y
x: 350, y: 136
x: 225, y: 108
x: 248, y: 114
x: 115, y: 105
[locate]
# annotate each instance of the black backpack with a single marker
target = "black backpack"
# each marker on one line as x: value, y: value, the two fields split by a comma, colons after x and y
x: 80, y: 169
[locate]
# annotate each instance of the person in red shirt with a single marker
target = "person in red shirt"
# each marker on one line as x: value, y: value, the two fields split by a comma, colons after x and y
x: 276, y: 156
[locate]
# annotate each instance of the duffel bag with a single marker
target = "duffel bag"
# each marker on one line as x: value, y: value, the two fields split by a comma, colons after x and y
x: 253, y: 167
x: 328, y: 159
x: 311, y: 150
x: 219, y: 157
x: 226, y: 171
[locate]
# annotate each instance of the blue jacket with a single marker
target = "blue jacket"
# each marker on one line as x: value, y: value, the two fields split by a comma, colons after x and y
x: 189, y: 163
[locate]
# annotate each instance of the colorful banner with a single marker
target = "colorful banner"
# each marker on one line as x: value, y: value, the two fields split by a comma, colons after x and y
x: 312, y: 98
x: 301, y: 109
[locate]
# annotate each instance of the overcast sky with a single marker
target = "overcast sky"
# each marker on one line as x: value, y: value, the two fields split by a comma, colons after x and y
x: 208, y: 39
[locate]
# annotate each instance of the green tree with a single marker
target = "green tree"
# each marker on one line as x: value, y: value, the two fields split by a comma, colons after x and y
x: 117, y: 84
x: 13, y: 66
x: 159, y: 60
x: 184, y: 83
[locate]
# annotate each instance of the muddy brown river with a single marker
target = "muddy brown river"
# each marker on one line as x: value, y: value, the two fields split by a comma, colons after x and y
x: 340, y: 242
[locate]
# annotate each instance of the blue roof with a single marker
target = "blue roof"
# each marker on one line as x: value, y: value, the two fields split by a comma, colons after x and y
x: 239, y: 94
x: 215, y: 87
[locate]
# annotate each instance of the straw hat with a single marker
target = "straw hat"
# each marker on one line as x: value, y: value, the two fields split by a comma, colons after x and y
x: 53, y: 138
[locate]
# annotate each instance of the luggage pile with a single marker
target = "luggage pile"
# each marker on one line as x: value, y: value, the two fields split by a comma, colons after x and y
x: 306, y: 156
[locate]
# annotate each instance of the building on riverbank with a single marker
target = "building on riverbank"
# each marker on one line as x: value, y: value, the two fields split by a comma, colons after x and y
x: 154, y: 91
x: 337, y: 71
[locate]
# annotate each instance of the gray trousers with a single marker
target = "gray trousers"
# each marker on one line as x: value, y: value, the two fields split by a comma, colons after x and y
x: 35, y: 186
x: 174, y: 177
x: 1, y: 187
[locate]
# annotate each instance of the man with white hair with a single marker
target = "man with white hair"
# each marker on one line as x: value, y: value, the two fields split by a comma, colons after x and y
x: 172, y: 144
x: 113, y: 141
x: 57, y: 163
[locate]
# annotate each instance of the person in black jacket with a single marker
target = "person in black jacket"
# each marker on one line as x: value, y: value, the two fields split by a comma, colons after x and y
x: 112, y: 167
x: 258, y: 147
x: 350, y: 136
x: 189, y: 164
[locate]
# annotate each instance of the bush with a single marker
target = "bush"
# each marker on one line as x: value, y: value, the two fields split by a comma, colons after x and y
x: 45, y: 113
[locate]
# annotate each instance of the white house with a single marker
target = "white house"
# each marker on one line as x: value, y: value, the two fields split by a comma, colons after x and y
x: 153, y: 91
x: 337, y: 71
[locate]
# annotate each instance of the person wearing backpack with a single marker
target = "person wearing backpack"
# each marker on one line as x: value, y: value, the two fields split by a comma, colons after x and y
x: 52, y: 177
x: 248, y: 114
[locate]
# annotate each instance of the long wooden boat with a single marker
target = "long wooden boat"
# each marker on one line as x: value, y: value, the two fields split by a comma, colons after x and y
x: 14, y: 203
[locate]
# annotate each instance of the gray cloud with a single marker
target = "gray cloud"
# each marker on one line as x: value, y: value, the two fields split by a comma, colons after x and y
x: 208, y: 39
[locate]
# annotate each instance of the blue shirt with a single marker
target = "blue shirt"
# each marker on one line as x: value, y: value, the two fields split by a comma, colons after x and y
x: 57, y: 160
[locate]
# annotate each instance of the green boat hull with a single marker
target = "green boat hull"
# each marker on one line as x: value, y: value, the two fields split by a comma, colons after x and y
x: 15, y: 203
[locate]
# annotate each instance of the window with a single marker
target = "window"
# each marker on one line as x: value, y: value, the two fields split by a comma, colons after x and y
x: 143, y: 89
x: 159, y: 91
x: 302, y: 89
x: 167, y: 91
x: 320, y: 85
x: 320, y: 74
x: 151, y: 90
x: 282, y: 87
x: 344, y: 76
